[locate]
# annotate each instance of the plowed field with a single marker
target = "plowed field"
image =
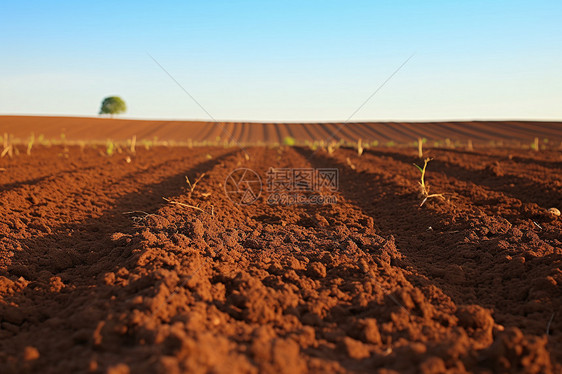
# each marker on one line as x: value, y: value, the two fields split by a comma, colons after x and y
x: 98, y: 273
x: 101, y: 129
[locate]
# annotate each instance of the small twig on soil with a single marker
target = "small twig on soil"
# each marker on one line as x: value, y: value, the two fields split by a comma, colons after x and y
x: 137, y: 211
x: 450, y: 232
x: 424, y: 189
x: 138, y: 219
x: 548, y: 325
x: 192, y: 186
x: 145, y: 214
x: 536, y: 224
x: 184, y: 205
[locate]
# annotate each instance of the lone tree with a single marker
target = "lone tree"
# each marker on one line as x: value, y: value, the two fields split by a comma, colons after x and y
x: 113, y: 105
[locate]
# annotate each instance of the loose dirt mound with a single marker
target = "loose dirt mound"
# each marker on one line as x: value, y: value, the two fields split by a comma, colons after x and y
x: 101, y: 129
x: 99, y: 274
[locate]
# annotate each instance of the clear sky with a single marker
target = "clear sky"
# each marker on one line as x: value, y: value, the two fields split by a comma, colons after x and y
x: 284, y: 60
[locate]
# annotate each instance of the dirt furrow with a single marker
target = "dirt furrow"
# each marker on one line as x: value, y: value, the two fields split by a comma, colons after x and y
x: 65, y: 199
x: 64, y: 285
x: 544, y: 189
x: 493, y: 264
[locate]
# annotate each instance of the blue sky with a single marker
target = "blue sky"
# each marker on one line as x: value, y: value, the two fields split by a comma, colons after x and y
x: 284, y: 60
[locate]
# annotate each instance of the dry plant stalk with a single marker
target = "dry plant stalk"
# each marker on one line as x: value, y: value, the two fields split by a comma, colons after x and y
x: 420, y: 147
x: 8, y: 147
x: 192, y: 186
x: 184, y: 205
x: 536, y: 144
x: 30, y: 144
x: 549, y: 323
x: 350, y: 164
x: 359, y: 147
x: 139, y: 219
x: 8, y: 151
x: 424, y: 189
x: 133, y: 143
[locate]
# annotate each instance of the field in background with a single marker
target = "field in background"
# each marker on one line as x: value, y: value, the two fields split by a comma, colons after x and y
x: 182, y: 132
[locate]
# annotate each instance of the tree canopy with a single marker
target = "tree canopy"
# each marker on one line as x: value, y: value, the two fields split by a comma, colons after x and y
x: 113, y: 105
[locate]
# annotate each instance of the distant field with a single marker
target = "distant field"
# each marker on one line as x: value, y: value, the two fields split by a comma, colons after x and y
x: 101, y: 129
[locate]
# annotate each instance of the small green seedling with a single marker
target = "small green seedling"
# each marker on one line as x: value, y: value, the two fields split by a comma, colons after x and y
x: 424, y: 189
x: 109, y: 148
x: 289, y: 141
x: 535, y: 146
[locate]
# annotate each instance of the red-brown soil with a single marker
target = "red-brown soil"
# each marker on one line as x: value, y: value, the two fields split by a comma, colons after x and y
x: 101, y: 129
x: 99, y: 274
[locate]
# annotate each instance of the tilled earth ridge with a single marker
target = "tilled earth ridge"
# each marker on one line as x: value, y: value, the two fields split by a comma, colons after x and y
x: 372, y: 283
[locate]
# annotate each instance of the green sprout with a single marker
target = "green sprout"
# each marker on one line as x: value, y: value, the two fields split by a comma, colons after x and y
x: 290, y: 141
x: 110, y: 148
x: 424, y: 188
